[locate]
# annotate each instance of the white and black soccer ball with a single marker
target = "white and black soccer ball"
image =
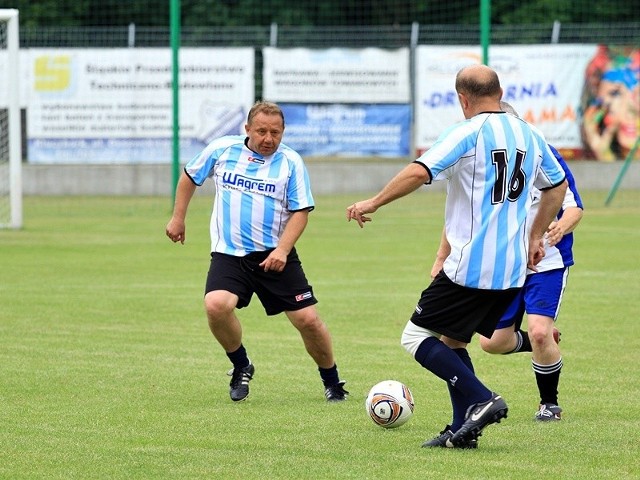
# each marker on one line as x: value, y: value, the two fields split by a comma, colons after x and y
x: 390, y: 404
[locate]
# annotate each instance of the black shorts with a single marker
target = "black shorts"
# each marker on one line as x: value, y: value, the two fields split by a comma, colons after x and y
x: 457, y: 312
x: 278, y: 292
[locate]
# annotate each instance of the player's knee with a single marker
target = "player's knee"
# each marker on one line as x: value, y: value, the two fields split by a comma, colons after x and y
x: 540, y: 330
x: 218, y: 305
x: 540, y: 336
x: 413, y: 336
x: 486, y: 345
x: 503, y: 340
x: 307, y: 320
x: 311, y: 324
x: 409, y: 343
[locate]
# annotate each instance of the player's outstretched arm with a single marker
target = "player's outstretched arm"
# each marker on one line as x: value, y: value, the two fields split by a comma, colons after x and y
x: 406, y: 181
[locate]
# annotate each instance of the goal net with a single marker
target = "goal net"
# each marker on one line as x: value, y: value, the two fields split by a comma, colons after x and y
x: 10, y: 143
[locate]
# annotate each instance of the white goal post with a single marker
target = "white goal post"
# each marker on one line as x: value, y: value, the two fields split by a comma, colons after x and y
x: 10, y: 135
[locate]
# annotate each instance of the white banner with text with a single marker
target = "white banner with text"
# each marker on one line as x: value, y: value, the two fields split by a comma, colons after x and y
x: 336, y: 75
x: 115, y: 105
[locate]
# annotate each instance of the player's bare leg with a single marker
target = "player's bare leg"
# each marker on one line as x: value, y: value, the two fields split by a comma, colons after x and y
x: 502, y: 341
x: 545, y: 348
x: 224, y: 324
x: 317, y: 341
x: 547, y: 364
x: 315, y: 335
x: 226, y: 328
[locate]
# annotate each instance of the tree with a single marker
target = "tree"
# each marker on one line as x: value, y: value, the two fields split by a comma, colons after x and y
x: 34, y: 13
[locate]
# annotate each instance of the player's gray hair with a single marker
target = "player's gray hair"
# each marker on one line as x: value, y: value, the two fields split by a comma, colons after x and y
x: 268, y: 108
x: 506, y: 107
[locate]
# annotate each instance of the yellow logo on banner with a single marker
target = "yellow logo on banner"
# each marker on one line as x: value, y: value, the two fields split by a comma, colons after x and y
x: 52, y: 74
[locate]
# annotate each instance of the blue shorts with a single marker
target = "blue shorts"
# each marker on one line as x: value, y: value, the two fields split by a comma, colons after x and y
x: 541, y: 295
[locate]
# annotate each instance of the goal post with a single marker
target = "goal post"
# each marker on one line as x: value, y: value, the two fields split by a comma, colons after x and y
x: 10, y: 136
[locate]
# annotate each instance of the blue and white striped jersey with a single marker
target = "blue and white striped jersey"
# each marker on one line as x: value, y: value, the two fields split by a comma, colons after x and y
x: 560, y: 255
x: 255, y: 195
x: 492, y: 162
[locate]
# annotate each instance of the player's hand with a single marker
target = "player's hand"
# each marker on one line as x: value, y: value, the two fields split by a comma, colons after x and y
x: 276, y: 261
x: 536, y: 254
x: 554, y: 234
x: 176, y: 230
x: 358, y: 212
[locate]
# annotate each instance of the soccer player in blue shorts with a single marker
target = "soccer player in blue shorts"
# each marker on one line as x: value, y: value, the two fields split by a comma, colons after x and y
x: 492, y: 162
x: 261, y: 208
x: 540, y: 299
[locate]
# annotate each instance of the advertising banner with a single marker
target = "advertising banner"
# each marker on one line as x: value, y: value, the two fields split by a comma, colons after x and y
x: 115, y: 105
x: 348, y: 130
x: 336, y: 75
x: 544, y: 83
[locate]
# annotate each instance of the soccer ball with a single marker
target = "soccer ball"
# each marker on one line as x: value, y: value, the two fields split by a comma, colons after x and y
x: 389, y: 404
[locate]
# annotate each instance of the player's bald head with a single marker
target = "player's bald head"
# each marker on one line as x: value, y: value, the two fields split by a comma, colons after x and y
x: 478, y: 81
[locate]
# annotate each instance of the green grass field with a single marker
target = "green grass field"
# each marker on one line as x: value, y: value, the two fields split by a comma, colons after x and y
x: 108, y: 370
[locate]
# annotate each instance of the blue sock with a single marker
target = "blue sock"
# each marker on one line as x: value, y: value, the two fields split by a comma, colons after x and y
x: 446, y: 364
x: 239, y: 357
x: 459, y: 402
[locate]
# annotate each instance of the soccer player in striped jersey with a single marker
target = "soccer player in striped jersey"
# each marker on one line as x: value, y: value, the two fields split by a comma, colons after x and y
x: 540, y: 298
x: 261, y: 208
x: 492, y: 162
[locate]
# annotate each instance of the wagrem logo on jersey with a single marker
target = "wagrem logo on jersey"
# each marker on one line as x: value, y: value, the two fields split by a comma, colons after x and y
x: 241, y: 182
